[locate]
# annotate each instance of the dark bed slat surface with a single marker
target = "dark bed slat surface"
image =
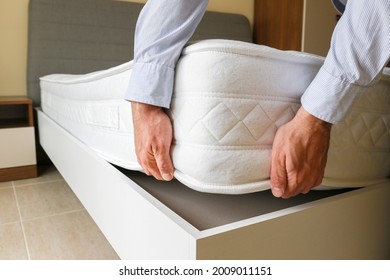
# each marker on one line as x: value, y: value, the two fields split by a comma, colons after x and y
x: 205, y: 211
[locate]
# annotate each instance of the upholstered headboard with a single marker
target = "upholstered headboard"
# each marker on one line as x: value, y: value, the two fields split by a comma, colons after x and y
x: 81, y: 36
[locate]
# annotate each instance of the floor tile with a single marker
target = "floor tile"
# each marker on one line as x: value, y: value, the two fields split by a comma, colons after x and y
x: 45, y: 199
x: 5, y: 185
x: 12, y: 246
x: 8, y: 208
x: 68, y: 236
x: 46, y: 173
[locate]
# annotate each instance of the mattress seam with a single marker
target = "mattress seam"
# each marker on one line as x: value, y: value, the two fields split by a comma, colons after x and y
x: 239, y: 96
x: 222, y: 147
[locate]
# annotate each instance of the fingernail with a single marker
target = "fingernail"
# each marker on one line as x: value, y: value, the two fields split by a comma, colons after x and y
x: 167, y: 176
x: 277, y: 192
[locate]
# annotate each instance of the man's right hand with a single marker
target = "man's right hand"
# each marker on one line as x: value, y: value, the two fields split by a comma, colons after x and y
x: 153, y: 138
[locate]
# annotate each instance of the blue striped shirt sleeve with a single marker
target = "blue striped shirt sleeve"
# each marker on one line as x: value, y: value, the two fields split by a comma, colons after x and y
x: 360, y: 49
x: 163, y: 28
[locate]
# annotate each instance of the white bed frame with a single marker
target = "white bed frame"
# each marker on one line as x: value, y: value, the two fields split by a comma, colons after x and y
x: 146, y: 219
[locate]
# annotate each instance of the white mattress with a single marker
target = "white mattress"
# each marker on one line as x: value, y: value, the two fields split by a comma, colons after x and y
x: 229, y: 99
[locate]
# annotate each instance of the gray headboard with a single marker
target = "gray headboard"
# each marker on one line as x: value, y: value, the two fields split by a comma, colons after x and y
x: 81, y: 36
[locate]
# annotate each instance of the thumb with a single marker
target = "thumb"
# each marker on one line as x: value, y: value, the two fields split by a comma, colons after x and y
x: 278, y: 175
x: 164, y: 164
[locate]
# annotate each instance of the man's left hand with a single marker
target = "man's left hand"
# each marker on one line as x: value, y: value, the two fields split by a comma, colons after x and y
x: 299, y: 155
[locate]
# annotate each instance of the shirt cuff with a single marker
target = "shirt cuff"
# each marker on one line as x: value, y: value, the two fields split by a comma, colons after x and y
x: 329, y: 98
x: 151, y: 84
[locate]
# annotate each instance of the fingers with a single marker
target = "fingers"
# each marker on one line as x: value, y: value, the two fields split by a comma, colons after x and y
x: 300, y: 180
x: 157, y: 162
x: 157, y: 165
x: 148, y: 163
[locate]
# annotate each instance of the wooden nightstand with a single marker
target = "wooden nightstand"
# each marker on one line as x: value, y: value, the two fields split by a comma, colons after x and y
x: 295, y: 24
x: 17, y: 139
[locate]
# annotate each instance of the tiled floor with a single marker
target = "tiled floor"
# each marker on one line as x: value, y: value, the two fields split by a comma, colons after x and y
x: 41, y: 218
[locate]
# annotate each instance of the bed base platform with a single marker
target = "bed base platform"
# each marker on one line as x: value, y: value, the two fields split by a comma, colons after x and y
x: 146, y: 219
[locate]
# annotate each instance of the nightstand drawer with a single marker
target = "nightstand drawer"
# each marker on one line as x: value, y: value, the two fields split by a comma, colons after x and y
x: 17, y: 147
x: 17, y: 139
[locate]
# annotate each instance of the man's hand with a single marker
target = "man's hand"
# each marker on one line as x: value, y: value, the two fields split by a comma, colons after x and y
x: 299, y: 155
x: 153, y: 139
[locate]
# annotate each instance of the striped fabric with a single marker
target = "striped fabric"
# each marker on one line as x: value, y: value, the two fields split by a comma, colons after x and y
x: 360, y: 49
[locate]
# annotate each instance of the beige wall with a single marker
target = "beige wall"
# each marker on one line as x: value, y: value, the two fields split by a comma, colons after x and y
x: 13, y: 36
x: 319, y: 23
x: 13, y: 47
